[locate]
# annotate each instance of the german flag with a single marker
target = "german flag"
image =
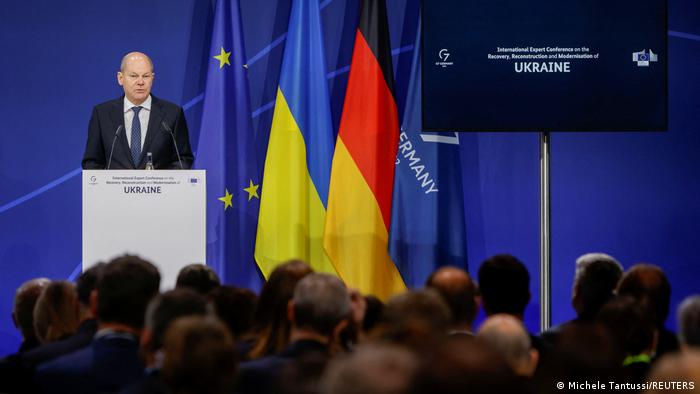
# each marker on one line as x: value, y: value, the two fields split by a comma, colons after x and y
x: 362, y: 175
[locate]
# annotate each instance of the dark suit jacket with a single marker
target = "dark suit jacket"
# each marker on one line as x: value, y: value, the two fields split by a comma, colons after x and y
x: 17, y: 370
x: 262, y: 376
x: 109, y: 364
x: 106, y: 119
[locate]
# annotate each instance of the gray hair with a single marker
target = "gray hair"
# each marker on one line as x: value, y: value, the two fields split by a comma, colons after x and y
x: 689, y: 321
x: 320, y: 302
x: 371, y: 369
x: 588, y: 258
x: 507, y: 336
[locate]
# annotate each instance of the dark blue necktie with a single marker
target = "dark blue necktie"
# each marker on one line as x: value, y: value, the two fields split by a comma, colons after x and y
x: 136, y: 137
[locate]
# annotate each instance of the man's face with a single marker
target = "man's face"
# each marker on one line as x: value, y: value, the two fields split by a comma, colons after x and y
x: 136, y: 78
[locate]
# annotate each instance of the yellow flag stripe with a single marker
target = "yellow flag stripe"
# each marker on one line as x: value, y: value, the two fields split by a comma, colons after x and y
x: 292, y: 216
x: 356, y: 238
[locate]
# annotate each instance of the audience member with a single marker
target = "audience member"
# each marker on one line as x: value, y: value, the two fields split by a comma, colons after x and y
x: 56, y: 313
x: 235, y: 307
x: 23, y: 311
x: 595, y: 281
x: 678, y: 372
x: 111, y: 362
x: 198, y: 356
x: 271, y: 324
x: 634, y: 333
x: 459, y: 292
x: 318, y: 312
x: 373, y: 313
x: 199, y: 277
x: 371, y: 369
x: 508, y: 336
x: 416, y: 318
x: 648, y: 285
x: 504, y: 285
x: 689, y: 323
x: 462, y: 365
x: 161, y: 312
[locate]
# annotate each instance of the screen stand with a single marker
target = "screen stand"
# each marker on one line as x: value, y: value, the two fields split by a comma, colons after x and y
x: 545, y: 235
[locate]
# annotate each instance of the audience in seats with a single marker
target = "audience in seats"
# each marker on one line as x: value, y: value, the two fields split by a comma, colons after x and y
x: 306, y: 333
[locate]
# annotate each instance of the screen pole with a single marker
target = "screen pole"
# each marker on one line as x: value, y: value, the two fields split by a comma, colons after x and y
x: 545, y: 235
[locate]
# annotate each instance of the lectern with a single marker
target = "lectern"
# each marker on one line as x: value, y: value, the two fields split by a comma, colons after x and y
x: 159, y: 215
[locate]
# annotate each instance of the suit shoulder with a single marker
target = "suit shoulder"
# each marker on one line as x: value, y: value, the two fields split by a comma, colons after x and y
x: 107, y: 105
x: 166, y: 105
x: 76, y: 361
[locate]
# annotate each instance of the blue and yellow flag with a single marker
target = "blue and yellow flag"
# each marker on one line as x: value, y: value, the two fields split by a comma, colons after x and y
x: 427, y: 217
x: 227, y: 151
x: 300, y: 150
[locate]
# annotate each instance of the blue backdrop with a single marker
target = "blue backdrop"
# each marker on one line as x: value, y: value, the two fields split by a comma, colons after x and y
x: 633, y: 195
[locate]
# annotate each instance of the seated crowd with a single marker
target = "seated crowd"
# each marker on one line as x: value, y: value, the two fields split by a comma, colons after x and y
x: 113, y: 331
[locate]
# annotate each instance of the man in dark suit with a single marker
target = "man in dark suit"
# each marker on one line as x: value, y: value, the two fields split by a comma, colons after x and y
x: 319, y: 311
x: 111, y: 362
x: 123, y: 131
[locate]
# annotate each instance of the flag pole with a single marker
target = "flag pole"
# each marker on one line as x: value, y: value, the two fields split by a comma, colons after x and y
x: 545, y: 235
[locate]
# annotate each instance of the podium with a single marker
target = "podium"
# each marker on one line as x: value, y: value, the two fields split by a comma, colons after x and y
x: 159, y: 215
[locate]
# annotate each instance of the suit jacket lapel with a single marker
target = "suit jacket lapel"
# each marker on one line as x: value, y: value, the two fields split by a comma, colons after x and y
x: 153, y: 126
x: 116, y: 114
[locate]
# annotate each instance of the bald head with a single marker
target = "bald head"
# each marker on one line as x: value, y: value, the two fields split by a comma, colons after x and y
x: 508, y: 336
x: 459, y: 291
x: 133, y: 57
x: 25, y: 299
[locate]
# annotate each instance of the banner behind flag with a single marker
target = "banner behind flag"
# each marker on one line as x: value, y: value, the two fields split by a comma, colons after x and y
x: 300, y: 151
x: 359, y: 203
x: 427, y: 220
x: 226, y: 150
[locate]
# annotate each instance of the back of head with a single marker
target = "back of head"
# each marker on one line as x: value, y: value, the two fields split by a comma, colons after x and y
x: 167, y: 307
x: 459, y: 292
x: 127, y: 285
x: 271, y: 313
x: 689, y: 321
x: 461, y: 365
x: 26, y: 297
x: 371, y: 369
x: 508, y: 336
x: 504, y: 284
x: 629, y: 324
x: 415, y: 318
x: 199, y: 356
x: 235, y: 307
x: 321, y: 301
x: 87, y: 282
x: 198, y: 277
x: 597, y: 276
x: 649, y: 286
x: 676, y: 373
x: 56, y: 314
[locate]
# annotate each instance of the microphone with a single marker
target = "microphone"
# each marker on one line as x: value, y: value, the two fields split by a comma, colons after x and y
x: 111, y: 150
x: 172, y: 135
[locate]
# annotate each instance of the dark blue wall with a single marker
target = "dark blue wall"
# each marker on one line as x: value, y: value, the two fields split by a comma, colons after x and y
x: 634, y: 195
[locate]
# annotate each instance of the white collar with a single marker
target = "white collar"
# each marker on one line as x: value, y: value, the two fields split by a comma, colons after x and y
x: 146, y: 104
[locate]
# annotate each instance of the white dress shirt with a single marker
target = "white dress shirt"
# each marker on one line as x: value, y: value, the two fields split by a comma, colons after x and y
x: 144, y: 115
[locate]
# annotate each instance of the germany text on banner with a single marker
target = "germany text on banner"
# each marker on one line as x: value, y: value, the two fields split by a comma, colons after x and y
x: 300, y: 150
x: 226, y: 151
x: 359, y: 203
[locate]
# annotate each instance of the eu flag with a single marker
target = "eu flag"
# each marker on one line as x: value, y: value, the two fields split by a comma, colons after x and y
x: 427, y: 219
x: 227, y: 151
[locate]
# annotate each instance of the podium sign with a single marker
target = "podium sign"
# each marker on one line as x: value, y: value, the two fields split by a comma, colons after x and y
x: 159, y: 215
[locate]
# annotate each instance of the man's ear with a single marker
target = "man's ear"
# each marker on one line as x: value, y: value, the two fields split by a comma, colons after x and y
x: 339, y: 328
x: 93, y: 303
x: 290, y: 312
x: 120, y: 78
x: 14, y: 319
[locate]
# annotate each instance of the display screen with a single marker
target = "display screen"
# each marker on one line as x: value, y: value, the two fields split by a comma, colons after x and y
x: 544, y: 65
